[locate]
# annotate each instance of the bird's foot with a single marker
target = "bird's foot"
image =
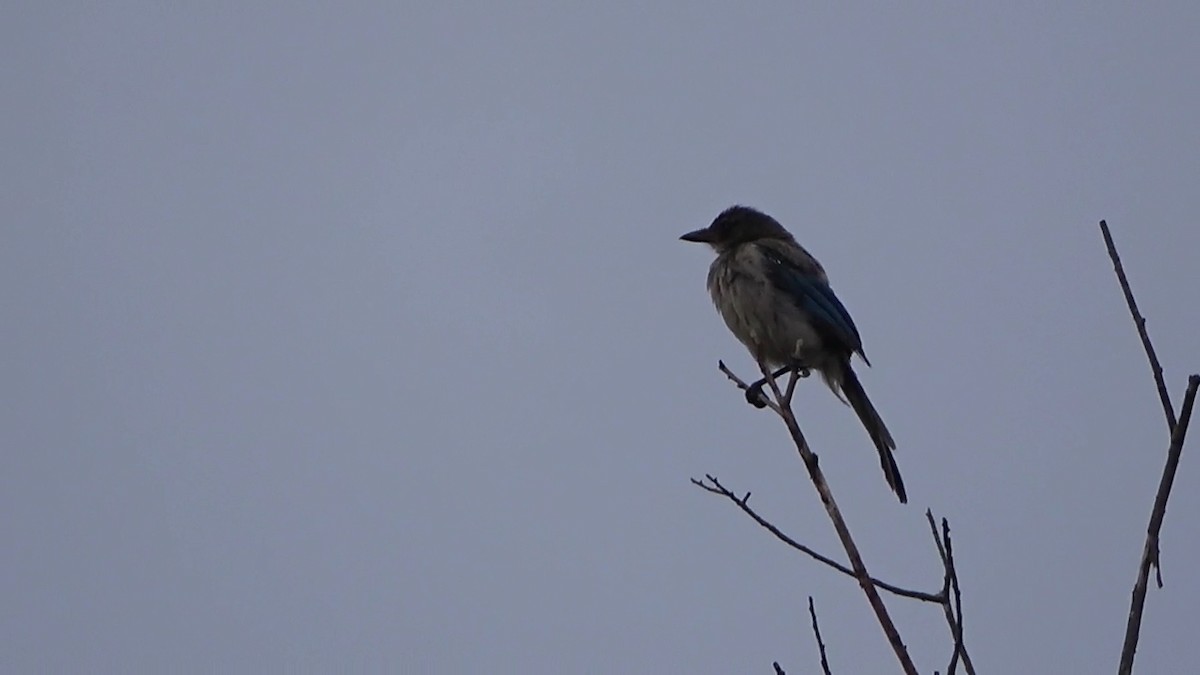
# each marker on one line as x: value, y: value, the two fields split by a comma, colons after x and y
x: 755, y: 395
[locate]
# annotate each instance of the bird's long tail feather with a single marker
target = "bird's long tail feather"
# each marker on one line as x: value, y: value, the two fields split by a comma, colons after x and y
x: 857, y: 398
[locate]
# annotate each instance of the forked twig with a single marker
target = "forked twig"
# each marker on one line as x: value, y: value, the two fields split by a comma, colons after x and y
x: 951, y: 595
x: 1150, y: 551
x: 781, y: 405
x: 715, y: 486
x: 1177, y: 429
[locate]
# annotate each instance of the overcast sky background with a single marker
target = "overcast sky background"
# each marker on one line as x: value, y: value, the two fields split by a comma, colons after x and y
x: 359, y: 335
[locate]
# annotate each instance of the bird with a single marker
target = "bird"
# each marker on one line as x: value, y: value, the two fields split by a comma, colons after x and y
x: 776, y: 299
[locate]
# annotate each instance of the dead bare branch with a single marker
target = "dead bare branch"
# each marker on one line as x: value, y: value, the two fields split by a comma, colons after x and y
x: 781, y: 405
x: 715, y: 487
x: 1177, y: 429
x: 840, y: 527
x: 812, y: 612
x: 951, y: 595
x: 1140, y: 322
x: 1150, y: 550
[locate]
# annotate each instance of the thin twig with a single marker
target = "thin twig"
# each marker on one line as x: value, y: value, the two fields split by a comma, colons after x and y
x: 1150, y: 550
x: 951, y: 594
x: 843, y: 531
x: 812, y: 612
x: 778, y: 668
x: 1140, y: 321
x: 743, y: 503
x: 960, y: 648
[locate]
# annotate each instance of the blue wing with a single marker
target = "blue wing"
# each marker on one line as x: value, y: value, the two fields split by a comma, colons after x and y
x: 817, y: 299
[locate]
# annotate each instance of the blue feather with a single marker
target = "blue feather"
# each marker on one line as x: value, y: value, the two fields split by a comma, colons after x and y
x: 817, y: 299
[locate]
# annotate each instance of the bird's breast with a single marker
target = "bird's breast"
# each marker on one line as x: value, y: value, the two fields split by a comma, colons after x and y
x: 760, y: 316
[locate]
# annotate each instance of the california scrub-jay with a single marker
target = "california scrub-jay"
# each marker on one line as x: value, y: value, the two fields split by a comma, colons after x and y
x: 776, y: 299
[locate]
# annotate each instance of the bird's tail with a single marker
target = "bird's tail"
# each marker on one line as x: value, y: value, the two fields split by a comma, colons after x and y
x: 857, y: 398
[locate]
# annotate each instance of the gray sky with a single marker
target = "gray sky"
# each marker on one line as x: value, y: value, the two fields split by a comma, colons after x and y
x: 361, y: 336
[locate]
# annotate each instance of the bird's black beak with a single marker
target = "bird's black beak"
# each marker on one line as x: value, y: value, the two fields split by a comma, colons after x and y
x: 701, y: 236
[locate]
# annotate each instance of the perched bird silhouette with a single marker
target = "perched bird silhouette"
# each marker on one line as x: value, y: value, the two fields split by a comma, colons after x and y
x: 776, y: 299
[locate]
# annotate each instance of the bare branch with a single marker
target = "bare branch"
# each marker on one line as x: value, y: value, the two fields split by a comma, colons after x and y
x: 778, y: 668
x: 1178, y: 431
x: 1150, y: 550
x: 951, y: 594
x: 817, y: 632
x: 1140, y: 322
x: 960, y: 649
x: 839, y: 525
x: 743, y: 503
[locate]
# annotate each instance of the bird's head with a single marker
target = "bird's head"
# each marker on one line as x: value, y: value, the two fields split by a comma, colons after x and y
x: 738, y: 225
